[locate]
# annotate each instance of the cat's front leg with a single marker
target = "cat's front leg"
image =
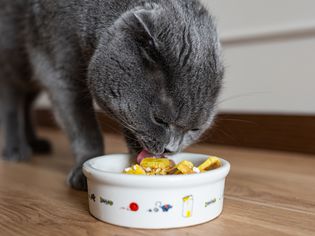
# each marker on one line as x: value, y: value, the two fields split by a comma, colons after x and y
x: 74, y: 111
x: 63, y: 75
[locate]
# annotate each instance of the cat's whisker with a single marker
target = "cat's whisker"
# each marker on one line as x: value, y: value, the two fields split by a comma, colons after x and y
x: 240, y: 96
x: 207, y: 135
x: 119, y: 131
x: 123, y: 124
x: 239, y: 120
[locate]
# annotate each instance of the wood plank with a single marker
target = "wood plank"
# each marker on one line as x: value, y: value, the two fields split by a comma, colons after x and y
x: 295, y: 133
x: 267, y: 193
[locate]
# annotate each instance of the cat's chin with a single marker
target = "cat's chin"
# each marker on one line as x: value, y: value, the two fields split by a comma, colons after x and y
x: 143, y: 154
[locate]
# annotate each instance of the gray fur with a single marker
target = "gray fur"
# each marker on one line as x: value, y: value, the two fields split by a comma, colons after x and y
x: 154, y: 65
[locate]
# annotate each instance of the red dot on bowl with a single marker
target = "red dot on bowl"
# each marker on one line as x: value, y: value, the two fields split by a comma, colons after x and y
x: 133, y: 206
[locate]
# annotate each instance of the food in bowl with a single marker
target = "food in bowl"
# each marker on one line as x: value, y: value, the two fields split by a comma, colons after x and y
x: 164, y: 166
x: 154, y: 202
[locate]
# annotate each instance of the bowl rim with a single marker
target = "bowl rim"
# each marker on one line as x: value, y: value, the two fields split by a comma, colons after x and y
x: 154, y: 181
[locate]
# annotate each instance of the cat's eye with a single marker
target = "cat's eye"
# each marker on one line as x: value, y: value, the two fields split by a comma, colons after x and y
x: 160, y: 121
x: 195, y: 130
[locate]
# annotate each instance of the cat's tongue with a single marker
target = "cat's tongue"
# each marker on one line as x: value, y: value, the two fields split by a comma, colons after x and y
x: 143, y: 154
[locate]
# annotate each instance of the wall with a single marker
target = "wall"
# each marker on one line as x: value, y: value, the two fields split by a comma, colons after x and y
x: 269, y: 50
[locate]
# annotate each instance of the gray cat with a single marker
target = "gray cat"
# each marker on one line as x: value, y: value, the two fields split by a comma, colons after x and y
x: 153, y: 65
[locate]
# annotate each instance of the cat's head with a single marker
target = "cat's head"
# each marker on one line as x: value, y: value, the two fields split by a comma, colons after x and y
x: 158, y: 71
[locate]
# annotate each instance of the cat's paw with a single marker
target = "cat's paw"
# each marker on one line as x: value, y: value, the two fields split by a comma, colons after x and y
x: 17, y: 153
x: 76, y: 179
x: 41, y: 146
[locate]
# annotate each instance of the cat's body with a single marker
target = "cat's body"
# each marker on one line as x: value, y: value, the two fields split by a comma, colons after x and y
x: 152, y: 65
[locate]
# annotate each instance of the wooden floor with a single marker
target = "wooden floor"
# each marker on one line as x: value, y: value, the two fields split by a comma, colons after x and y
x: 267, y: 193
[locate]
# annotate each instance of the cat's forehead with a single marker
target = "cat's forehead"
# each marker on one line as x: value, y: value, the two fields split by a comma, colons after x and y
x: 190, y: 47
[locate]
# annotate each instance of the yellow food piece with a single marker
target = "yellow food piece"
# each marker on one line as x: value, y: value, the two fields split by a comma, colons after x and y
x: 185, y: 167
x: 186, y: 163
x: 135, y: 170
x: 211, y: 163
x: 151, y: 162
x: 164, y: 166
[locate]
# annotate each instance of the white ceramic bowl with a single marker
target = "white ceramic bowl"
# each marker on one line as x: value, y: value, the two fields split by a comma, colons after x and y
x: 153, y: 202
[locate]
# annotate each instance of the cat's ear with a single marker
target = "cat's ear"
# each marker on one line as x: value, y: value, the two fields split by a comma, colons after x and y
x: 145, y: 23
x: 145, y: 19
x: 144, y: 27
